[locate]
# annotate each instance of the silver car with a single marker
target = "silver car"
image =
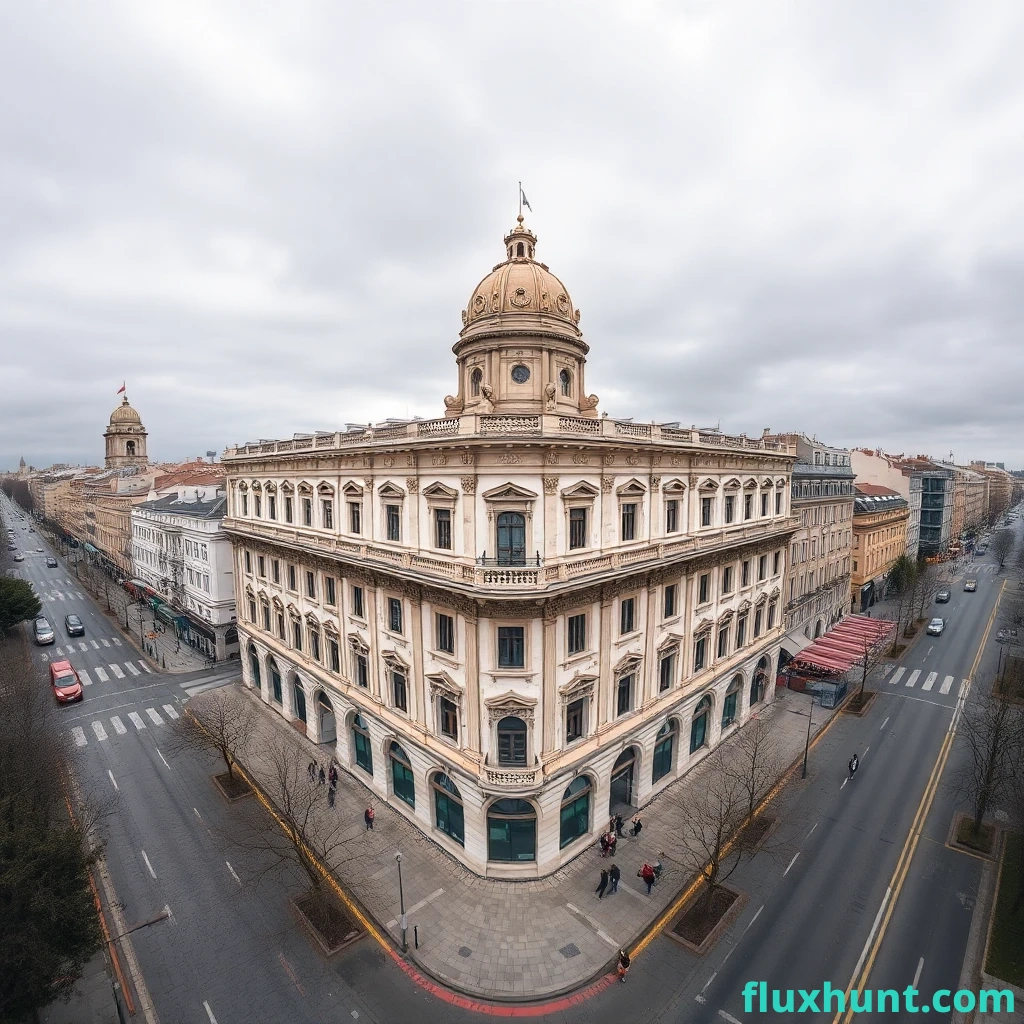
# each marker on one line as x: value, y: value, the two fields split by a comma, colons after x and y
x: 935, y: 627
x: 43, y: 631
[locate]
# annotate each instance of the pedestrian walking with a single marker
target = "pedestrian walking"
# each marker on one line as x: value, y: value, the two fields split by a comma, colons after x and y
x: 368, y: 818
x: 604, y: 845
x: 611, y: 844
x: 322, y: 776
x: 647, y: 874
x: 312, y: 771
x: 623, y: 965
x: 602, y: 885
x: 637, y: 826
x: 332, y: 775
x: 330, y: 794
x: 613, y: 877
x: 853, y: 765
x: 618, y: 827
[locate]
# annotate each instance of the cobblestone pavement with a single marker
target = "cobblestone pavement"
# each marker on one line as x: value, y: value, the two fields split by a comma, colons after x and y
x: 498, y: 939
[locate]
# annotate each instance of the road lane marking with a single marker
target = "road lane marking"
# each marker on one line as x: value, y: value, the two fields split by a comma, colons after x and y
x: 811, y: 833
x: 917, y: 973
x: 209, y: 1013
x: 117, y: 670
x: 912, y: 678
x: 145, y: 667
x: 58, y: 652
x: 101, y: 674
x: 946, y: 684
x: 930, y: 681
x: 171, y: 713
x: 106, y: 643
x: 896, y: 676
x: 83, y: 646
x: 131, y: 668
x: 148, y: 865
x: 728, y: 1017
x: 232, y: 870
x: 162, y: 758
x: 119, y: 727
x: 154, y: 717
x: 117, y: 643
x: 112, y: 779
x: 791, y: 863
x: 101, y: 733
x: 136, y: 720
x: 79, y: 736
x: 95, y: 646
x: 197, y: 814
x: 752, y: 920
x: 85, y: 677
x: 884, y: 724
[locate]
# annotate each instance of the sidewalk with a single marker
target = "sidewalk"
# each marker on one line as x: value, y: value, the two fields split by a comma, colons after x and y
x: 92, y: 1000
x: 498, y: 939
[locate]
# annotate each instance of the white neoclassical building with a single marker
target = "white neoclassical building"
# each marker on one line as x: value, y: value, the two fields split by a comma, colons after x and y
x: 519, y: 618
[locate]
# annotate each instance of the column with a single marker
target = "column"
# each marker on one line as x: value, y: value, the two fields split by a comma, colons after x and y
x: 551, y: 711
x: 474, y: 742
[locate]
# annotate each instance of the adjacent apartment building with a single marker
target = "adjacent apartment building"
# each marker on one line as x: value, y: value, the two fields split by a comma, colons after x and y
x: 519, y: 618
x: 880, y: 519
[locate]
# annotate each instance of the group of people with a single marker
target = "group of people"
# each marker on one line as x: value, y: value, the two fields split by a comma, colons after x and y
x: 330, y: 776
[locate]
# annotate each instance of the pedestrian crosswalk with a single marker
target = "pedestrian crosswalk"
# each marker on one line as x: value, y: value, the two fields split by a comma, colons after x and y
x: 927, y: 683
x: 62, y: 595
x: 73, y: 646
x: 157, y: 717
x: 103, y: 673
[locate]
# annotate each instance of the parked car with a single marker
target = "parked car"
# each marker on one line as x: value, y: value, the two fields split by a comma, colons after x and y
x: 935, y: 627
x: 12, y: 547
x: 67, y: 687
x: 73, y: 626
x: 43, y: 631
x: 970, y: 586
x: 51, y: 562
x: 19, y: 557
x: 942, y: 596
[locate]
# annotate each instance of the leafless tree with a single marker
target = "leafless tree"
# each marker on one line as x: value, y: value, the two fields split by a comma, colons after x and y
x: 1002, y: 545
x: 226, y: 724
x: 755, y: 762
x: 901, y: 579
x: 926, y: 585
x: 874, y: 654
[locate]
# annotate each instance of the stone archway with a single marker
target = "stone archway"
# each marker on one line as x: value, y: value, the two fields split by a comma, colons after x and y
x: 623, y: 783
x: 327, y: 729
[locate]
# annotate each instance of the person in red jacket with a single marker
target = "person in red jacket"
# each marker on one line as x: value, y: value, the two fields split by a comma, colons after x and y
x: 648, y: 875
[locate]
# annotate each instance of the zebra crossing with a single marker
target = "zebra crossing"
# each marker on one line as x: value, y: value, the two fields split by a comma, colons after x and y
x: 135, y: 668
x: 99, y: 728
x: 927, y: 680
x: 73, y: 646
x: 60, y: 595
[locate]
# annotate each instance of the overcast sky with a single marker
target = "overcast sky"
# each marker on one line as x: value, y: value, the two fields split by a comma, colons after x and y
x: 267, y: 217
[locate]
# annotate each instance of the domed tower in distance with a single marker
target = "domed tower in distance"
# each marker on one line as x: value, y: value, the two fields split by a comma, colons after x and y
x: 126, y: 438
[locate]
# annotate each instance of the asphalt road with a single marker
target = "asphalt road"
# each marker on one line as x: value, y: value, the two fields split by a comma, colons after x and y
x: 232, y: 951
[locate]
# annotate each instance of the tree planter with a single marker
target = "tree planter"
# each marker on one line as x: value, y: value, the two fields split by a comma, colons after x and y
x: 327, y: 923
x: 699, y: 928
x: 859, y: 704
x: 232, y: 788
x: 961, y: 838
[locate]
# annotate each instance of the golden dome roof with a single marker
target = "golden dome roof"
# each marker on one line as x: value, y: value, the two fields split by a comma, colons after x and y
x: 124, y: 413
x: 520, y: 295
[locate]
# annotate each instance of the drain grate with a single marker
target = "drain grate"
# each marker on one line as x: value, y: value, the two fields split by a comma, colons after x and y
x: 465, y: 951
x: 570, y: 951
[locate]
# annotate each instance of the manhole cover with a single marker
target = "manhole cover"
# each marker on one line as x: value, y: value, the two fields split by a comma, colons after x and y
x: 465, y: 951
x: 570, y: 951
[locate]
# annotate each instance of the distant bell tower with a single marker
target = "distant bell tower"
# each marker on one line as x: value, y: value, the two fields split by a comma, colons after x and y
x: 126, y: 438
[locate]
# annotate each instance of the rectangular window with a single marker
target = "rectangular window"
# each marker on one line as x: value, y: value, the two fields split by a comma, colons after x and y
x: 672, y: 516
x: 704, y: 588
x: 778, y: 503
x: 395, y: 614
x: 280, y: 625
x: 776, y: 563
x: 307, y: 511
x: 666, y: 671
x: 445, y: 633
x: 275, y: 569
x: 627, y: 515
x: 730, y: 508
x: 292, y: 585
x: 741, y: 631
x: 327, y: 513
x: 624, y: 694
x: 757, y: 623
x: 511, y: 647
x: 723, y: 641
x: 577, y: 528
x: 271, y: 506
x: 248, y: 562
x: 314, y: 644
x: 574, y: 721
x: 257, y: 504
x: 330, y: 593
x: 771, y: 615
x: 727, y: 580
x: 266, y: 617
x: 261, y: 565
x: 245, y: 504
x: 310, y: 584
x: 357, y: 602
x: 577, y: 633
x: 297, y: 634
x: 762, y: 567
x: 362, y: 671
x: 705, y: 511
x: 288, y: 513
x: 355, y: 517
x: 399, y: 692
x: 449, y: 719
x: 627, y: 615
x: 748, y: 506
x: 334, y: 654
x: 700, y: 653
x: 671, y: 591
x: 443, y: 528
x: 764, y: 505
x: 393, y: 516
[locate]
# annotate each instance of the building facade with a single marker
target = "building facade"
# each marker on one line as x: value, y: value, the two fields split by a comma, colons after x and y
x: 880, y: 518
x: 125, y: 439
x: 520, y: 618
x: 872, y: 466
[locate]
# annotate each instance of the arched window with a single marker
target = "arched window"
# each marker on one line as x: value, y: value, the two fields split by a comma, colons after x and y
x: 511, y: 831
x: 729, y: 704
x: 664, y: 750
x: 475, y: 380
x: 565, y: 379
x: 129, y: 448
x: 699, y: 727
x: 512, y: 742
x: 575, y: 810
x: 520, y: 251
x: 511, y: 538
x: 448, y: 813
x: 275, y: 682
x: 401, y: 775
x: 298, y: 699
x: 361, y: 744
x: 254, y: 665
x: 757, y: 684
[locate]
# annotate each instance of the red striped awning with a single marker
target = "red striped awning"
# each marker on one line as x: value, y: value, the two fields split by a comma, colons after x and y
x: 845, y: 644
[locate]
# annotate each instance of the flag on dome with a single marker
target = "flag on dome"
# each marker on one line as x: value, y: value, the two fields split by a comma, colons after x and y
x: 121, y: 388
x: 526, y: 202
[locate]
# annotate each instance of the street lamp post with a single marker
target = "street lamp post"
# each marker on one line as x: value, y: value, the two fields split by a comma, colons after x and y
x: 807, y: 741
x: 401, y: 902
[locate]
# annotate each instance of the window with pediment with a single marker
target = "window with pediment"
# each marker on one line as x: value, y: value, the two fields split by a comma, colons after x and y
x: 510, y: 513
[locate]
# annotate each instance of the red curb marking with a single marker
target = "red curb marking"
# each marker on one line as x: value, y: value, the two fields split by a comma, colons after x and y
x: 501, y: 1009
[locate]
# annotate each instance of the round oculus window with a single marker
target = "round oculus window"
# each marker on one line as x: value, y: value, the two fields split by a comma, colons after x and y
x: 520, y: 373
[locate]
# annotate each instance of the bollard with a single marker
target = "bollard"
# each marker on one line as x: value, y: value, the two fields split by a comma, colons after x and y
x: 163, y: 661
x: 416, y: 935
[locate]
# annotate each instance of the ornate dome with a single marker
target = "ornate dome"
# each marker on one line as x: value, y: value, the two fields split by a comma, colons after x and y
x: 124, y: 413
x: 520, y: 296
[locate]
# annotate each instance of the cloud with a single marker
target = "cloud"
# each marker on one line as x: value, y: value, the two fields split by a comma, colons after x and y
x: 267, y: 219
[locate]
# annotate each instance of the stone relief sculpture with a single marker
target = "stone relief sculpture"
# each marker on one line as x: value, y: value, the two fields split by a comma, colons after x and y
x: 588, y: 406
x: 549, y: 395
x: 453, y: 405
x: 487, y: 397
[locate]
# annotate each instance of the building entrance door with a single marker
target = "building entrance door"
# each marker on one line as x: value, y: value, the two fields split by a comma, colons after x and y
x: 621, y: 798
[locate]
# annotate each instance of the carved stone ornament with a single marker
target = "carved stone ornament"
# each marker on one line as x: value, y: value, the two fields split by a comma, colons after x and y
x: 388, y: 461
x: 368, y: 482
x: 497, y: 712
x: 551, y: 458
x: 410, y: 460
x: 469, y: 484
x: 656, y: 460
x: 677, y: 460
x: 608, y: 459
x: 632, y: 460
x: 439, y: 460
x: 580, y: 459
x: 577, y: 688
x: 549, y: 395
x: 453, y: 405
x: 607, y: 483
x: 521, y: 298
x: 655, y: 483
x: 550, y: 484
x: 588, y: 402
x: 468, y: 458
x: 412, y: 485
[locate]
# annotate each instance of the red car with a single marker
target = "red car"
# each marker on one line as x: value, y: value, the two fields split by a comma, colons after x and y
x: 67, y: 687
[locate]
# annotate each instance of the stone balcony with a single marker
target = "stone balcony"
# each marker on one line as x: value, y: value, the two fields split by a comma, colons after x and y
x: 551, y: 575
x: 552, y: 426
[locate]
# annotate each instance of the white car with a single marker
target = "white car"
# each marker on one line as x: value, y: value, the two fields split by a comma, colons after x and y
x: 935, y: 627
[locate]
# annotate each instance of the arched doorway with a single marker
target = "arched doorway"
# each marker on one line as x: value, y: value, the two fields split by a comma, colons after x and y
x: 730, y: 706
x: 817, y: 629
x: 699, y: 726
x: 328, y: 732
x: 623, y: 782
x: 759, y: 682
x: 402, y: 781
x: 275, y: 682
x: 511, y: 538
x: 448, y: 813
x: 575, y: 814
x: 298, y: 699
x: 361, y: 743
x: 254, y: 668
x: 664, y: 750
